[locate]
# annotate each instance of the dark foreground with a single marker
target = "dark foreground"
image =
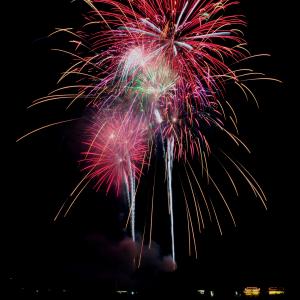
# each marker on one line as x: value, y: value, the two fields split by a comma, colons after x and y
x: 122, y: 294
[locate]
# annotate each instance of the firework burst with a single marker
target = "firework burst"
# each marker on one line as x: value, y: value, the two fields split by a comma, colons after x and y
x: 116, y: 149
x: 157, y: 71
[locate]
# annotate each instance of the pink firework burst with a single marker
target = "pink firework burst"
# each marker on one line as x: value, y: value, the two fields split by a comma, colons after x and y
x: 158, y: 56
x: 194, y: 37
x: 117, y: 149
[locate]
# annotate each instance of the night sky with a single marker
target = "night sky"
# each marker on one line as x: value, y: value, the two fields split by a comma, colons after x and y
x: 87, y: 245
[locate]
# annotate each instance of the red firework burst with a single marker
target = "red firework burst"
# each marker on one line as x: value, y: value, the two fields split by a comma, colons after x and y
x: 190, y: 35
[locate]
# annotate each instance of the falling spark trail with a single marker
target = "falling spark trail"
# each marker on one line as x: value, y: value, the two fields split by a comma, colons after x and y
x: 44, y: 127
x: 130, y: 192
x: 170, y: 158
x: 132, y: 201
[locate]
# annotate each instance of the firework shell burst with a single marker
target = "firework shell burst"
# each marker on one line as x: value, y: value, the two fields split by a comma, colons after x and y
x: 169, y: 57
x: 117, y: 146
x: 157, y: 70
x: 191, y: 36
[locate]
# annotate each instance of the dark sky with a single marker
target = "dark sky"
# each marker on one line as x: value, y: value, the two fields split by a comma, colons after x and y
x: 42, y: 170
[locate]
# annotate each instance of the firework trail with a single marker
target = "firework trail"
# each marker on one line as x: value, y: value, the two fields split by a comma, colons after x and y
x: 169, y: 166
x: 132, y: 201
x: 130, y: 192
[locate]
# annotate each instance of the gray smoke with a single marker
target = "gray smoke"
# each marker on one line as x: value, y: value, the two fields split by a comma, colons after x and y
x: 115, y: 262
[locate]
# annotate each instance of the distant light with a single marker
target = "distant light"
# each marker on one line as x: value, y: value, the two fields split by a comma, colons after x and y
x: 212, y: 293
x: 276, y: 291
x: 201, y: 292
x: 252, y: 291
x: 121, y: 292
x: 237, y: 294
x: 132, y: 293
